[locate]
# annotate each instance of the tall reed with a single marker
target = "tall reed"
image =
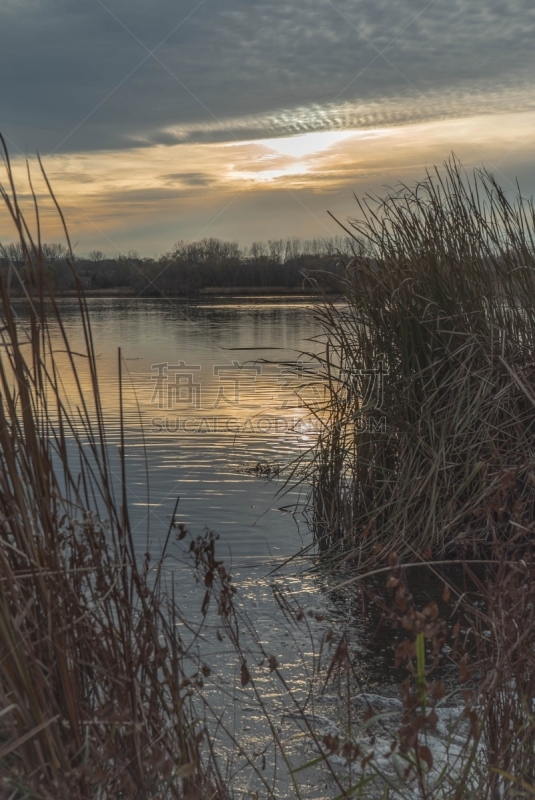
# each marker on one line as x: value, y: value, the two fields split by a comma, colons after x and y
x: 427, y: 444
x: 93, y: 684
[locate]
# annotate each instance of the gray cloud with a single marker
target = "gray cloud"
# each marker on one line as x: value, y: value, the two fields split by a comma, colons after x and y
x: 188, y: 178
x: 77, y: 76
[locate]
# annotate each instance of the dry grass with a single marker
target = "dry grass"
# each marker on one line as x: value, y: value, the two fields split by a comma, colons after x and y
x: 439, y: 298
x: 96, y: 689
x: 503, y: 628
x: 440, y: 294
x: 94, y: 696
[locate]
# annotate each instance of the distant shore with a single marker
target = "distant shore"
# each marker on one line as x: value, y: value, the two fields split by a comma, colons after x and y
x: 211, y: 291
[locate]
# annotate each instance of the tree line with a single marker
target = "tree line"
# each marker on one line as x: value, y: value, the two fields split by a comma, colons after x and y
x: 189, y: 267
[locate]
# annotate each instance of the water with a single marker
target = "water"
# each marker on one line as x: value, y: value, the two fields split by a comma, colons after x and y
x: 213, y: 392
x: 209, y: 392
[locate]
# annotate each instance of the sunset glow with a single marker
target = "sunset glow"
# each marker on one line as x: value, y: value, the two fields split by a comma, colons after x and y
x: 150, y: 197
x: 248, y: 121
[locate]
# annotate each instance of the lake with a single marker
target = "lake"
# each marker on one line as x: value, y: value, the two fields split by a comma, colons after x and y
x: 211, y: 390
x: 216, y: 398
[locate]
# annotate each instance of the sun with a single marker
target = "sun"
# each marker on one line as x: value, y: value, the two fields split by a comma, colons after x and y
x: 305, y: 144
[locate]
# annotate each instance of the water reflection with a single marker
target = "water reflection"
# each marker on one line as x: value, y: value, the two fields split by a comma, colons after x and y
x: 209, y: 390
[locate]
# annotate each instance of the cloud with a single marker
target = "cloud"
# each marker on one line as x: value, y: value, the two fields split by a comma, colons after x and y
x: 84, y: 77
x: 145, y: 198
x: 189, y: 178
x: 483, y: 97
x: 249, y: 118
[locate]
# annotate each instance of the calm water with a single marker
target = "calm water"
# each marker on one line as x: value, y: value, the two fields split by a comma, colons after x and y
x: 210, y: 390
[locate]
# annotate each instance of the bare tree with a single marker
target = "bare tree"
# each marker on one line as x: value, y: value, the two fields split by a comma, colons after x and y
x: 258, y: 249
x: 276, y: 250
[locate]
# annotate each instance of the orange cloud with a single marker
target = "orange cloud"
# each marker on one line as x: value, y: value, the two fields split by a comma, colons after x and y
x: 147, y: 197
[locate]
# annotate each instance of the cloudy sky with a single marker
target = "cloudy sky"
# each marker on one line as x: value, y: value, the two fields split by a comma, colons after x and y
x: 249, y: 119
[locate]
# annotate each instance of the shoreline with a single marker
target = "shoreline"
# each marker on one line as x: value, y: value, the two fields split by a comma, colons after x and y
x: 126, y: 293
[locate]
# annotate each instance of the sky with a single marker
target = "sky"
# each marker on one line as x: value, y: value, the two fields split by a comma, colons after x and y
x: 162, y: 120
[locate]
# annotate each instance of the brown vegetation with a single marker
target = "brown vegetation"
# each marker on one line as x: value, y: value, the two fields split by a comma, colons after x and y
x: 428, y: 441
x: 94, y: 695
x: 97, y: 689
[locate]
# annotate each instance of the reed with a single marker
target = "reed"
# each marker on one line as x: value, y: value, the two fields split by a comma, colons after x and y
x: 427, y: 440
x: 503, y: 629
x: 94, y: 697
x: 99, y: 695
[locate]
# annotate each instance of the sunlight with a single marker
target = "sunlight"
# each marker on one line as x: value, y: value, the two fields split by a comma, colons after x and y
x: 305, y: 144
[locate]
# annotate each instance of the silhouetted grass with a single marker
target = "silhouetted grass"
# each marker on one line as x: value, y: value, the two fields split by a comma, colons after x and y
x: 99, y: 694
x: 439, y: 298
x: 93, y: 691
